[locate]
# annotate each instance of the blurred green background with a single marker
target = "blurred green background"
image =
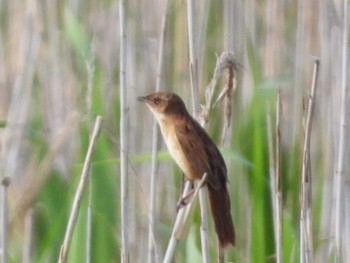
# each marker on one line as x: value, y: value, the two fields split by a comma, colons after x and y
x: 59, y: 69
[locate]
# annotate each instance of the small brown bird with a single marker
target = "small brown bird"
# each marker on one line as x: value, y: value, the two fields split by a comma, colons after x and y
x: 196, y: 154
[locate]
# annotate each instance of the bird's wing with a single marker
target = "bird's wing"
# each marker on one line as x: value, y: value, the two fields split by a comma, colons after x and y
x: 201, y: 152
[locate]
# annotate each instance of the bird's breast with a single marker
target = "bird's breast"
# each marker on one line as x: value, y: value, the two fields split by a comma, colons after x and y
x: 175, y: 149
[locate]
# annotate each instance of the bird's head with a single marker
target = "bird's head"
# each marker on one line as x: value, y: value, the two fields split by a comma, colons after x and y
x: 164, y: 104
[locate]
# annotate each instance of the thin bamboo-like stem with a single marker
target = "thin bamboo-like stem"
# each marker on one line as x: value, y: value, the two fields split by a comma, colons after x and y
x: 155, y: 145
x: 90, y: 68
x: 123, y: 137
x: 278, y: 185
x: 180, y: 229
x: 343, y: 137
x: 193, y: 57
x: 346, y: 226
x: 79, y: 192
x: 182, y: 217
x: 196, y: 109
x: 89, y: 224
x: 276, y: 179
x: 177, y: 233
x: 306, y: 244
x: 203, y: 193
x: 224, y: 61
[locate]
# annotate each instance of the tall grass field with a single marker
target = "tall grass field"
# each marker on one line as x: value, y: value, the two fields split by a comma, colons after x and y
x: 85, y: 174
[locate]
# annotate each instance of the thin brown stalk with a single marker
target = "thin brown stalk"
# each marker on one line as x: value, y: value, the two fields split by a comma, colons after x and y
x: 226, y: 62
x: 79, y: 192
x: 306, y: 240
x: 230, y: 87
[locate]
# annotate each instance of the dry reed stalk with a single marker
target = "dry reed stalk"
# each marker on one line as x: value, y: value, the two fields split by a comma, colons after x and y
x: 306, y: 237
x: 226, y: 62
x: 196, y: 111
x: 347, y: 226
x: 276, y: 178
x: 180, y: 229
x: 203, y: 197
x: 227, y: 93
x: 226, y: 65
x: 124, y: 117
x: 79, y: 192
x: 155, y: 146
x: 182, y: 217
x: 278, y: 185
x: 90, y: 68
x: 193, y: 57
x: 343, y: 141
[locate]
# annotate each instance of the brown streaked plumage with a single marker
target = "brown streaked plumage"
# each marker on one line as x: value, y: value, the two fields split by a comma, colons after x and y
x: 196, y: 154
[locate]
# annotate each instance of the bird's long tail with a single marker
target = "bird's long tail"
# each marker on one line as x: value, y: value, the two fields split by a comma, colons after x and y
x: 220, y: 208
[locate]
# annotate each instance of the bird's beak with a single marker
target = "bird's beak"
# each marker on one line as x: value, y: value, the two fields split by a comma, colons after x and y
x: 143, y: 99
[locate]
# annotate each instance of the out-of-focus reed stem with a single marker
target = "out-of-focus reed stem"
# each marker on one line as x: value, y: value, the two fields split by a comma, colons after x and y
x: 155, y: 144
x: 90, y: 68
x: 343, y: 140
x: 124, y: 117
x: 196, y: 110
x: 79, y: 193
x: 306, y: 237
x: 278, y: 186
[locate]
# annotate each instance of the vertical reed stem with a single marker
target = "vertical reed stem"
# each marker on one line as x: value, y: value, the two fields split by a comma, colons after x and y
x: 123, y: 137
x: 155, y: 144
x: 196, y: 109
x: 343, y: 139
x: 278, y: 185
x: 306, y: 246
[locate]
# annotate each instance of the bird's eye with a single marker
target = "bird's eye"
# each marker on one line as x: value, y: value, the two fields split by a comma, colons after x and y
x: 156, y: 100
